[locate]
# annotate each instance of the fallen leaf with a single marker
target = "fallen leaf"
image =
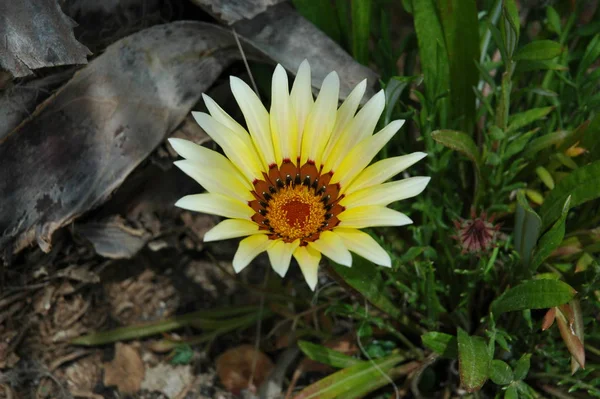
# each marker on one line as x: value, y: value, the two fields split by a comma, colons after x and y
x: 230, y: 11
x: 168, y: 379
x: 113, y: 239
x: 36, y: 34
x: 80, y: 144
x: 126, y: 371
x: 243, y: 367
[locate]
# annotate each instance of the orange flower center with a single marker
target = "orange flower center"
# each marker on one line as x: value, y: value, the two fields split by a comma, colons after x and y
x: 296, y: 202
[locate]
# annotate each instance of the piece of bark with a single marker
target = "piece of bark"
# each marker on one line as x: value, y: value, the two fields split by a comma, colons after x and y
x: 37, y: 34
x: 82, y: 143
x: 288, y: 38
x: 231, y: 11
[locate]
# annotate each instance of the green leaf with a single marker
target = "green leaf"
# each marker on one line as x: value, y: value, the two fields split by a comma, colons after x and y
x: 539, y: 50
x: 545, y: 65
x: 511, y: 393
x: 518, y: 143
x: 501, y: 373
x: 553, y: 19
x: 353, y: 381
x: 361, y: 30
x: 322, y: 14
x: 443, y: 344
x: 460, y: 142
x: 432, y: 49
x: 545, y: 177
x: 533, y: 294
x: 545, y: 141
x: 591, y: 55
x: 522, y: 367
x: 473, y: 361
x: 583, y: 184
x: 527, y: 228
x: 510, y: 26
x: 322, y: 354
x: 365, y: 278
x: 461, y: 33
x: 522, y: 119
x: 552, y: 239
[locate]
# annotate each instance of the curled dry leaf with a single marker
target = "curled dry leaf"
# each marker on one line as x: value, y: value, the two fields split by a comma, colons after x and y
x: 126, y: 371
x: 81, y: 143
x: 112, y: 239
x: 243, y: 367
x: 230, y: 11
x: 36, y: 34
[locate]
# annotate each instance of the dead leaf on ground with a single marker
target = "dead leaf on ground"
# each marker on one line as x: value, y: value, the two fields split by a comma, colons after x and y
x: 168, y: 379
x: 288, y: 38
x: 231, y: 11
x: 126, y: 371
x: 36, y: 34
x: 113, y: 239
x: 243, y: 367
x: 82, y: 143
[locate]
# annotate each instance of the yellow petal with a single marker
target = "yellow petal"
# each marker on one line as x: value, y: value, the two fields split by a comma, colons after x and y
x: 240, y: 152
x: 249, y: 249
x: 359, y: 128
x: 382, y: 171
x: 370, y: 216
x: 217, y: 178
x: 257, y: 119
x: 224, y: 118
x: 216, y: 204
x: 321, y: 120
x: 308, y: 260
x: 362, y: 154
x: 302, y: 99
x: 364, y: 245
x: 385, y: 194
x: 232, y: 228
x: 280, y: 255
x: 283, y: 120
x: 332, y: 246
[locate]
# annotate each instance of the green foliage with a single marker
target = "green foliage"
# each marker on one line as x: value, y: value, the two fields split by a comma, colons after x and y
x: 505, y: 101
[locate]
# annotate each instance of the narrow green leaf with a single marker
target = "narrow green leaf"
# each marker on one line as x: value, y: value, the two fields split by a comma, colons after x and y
x: 322, y: 14
x: 323, y: 354
x: 501, y: 373
x: 545, y: 177
x: 553, y: 19
x: 510, y: 26
x: 545, y: 141
x: 545, y: 65
x: 522, y: 119
x: 590, y: 140
x: 522, y: 367
x: 527, y: 228
x: 511, y: 393
x: 518, y: 143
x: 365, y: 376
x: 443, y: 344
x: 533, y: 294
x: 502, y: 109
x: 583, y: 184
x: 539, y: 50
x: 473, y: 361
x: 461, y: 33
x: 365, y: 278
x: 591, y: 55
x: 432, y: 49
x: 552, y: 239
x: 361, y: 30
x: 460, y: 142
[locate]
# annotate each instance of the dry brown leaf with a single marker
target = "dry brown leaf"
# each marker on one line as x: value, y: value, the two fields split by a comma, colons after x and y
x: 81, y: 143
x: 36, y: 34
x: 168, y: 379
x: 126, y: 371
x: 112, y: 239
x: 235, y: 368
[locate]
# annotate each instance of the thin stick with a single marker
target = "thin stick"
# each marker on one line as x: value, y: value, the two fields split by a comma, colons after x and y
x: 239, y: 44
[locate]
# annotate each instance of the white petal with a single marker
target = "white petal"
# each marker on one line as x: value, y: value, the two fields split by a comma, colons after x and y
x: 283, y: 120
x: 364, y: 245
x: 240, y: 151
x: 321, y: 120
x: 216, y: 204
x: 360, y: 127
x: 348, y: 109
x: 224, y: 118
x: 308, y: 260
x: 362, y: 154
x: 332, y: 246
x: 257, y: 118
x: 301, y: 98
x: 280, y: 255
x: 383, y: 170
x: 231, y: 228
x: 249, y: 249
x: 370, y: 216
x: 385, y: 194
x: 217, y: 179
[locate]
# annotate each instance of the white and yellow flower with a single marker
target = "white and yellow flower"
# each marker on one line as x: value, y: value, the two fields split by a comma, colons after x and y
x: 297, y: 181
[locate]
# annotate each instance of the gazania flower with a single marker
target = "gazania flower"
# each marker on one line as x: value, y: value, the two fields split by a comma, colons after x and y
x: 296, y: 183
